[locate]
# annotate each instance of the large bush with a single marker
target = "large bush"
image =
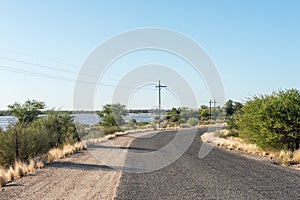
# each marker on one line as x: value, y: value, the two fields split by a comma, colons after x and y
x: 33, y: 136
x: 272, y: 121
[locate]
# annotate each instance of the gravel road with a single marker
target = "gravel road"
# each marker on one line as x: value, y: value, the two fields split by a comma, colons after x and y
x: 79, y: 176
x: 220, y: 175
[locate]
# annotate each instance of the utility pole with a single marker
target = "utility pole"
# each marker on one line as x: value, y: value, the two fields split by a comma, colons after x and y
x: 159, y: 86
x: 212, y: 102
x: 215, y: 102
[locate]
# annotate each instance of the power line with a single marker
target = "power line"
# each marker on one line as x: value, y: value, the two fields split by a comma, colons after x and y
x: 57, y: 69
x: 38, y: 65
x: 51, y: 60
x: 26, y: 72
x: 38, y: 57
x: 61, y: 70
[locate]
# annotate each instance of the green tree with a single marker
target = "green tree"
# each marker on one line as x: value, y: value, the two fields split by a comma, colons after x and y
x: 28, y: 111
x: 112, y: 117
x: 174, y: 116
x: 204, y: 112
x: 232, y: 109
x: 229, y: 108
x: 111, y: 114
x: 237, y: 107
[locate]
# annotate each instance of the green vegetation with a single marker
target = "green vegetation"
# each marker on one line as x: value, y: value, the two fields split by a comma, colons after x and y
x: 111, y: 115
x: 33, y: 136
x: 270, y: 121
x: 87, y: 132
x: 204, y: 113
x: 187, y: 113
x: 232, y: 109
x: 27, y: 112
x: 174, y: 116
x: 193, y: 121
x: 185, y: 117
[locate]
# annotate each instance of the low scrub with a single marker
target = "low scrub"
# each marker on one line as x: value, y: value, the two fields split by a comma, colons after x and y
x: 20, y: 169
x: 231, y: 143
x: 296, y: 156
x: 109, y: 130
x: 223, y: 139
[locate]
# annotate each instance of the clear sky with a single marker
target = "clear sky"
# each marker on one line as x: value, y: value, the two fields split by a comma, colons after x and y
x: 254, y: 45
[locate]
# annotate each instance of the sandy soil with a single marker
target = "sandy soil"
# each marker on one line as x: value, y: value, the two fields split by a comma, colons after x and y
x: 80, y: 176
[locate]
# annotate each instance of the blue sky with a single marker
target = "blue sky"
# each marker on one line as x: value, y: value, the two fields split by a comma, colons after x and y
x: 254, y: 45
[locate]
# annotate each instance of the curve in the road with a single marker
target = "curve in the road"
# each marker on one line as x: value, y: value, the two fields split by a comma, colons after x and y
x: 220, y: 175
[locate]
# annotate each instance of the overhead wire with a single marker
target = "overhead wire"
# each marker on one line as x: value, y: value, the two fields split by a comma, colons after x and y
x: 61, y: 70
x: 20, y: 71
x: 38, y: 57
x: 26, y: 72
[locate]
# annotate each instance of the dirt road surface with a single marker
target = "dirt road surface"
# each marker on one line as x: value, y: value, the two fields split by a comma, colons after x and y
x: 80, y: 176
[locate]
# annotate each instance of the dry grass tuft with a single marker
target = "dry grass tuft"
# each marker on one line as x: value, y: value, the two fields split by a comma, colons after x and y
x: 231, y: 143
x: 48, y: 158
x: 110, y: 136
x: 235, y: 143
x: 56, y: 153
x: 68, y: 150
x: 286, y: 157
x: 40, y: 164
x: 18, y: 170
x: 296, y: 157
x: 224, y: 132
x: 31, y: 166
x: 9, y: 174
x: 79, y: 146
x: 25, y: 168
x: 2, y: 180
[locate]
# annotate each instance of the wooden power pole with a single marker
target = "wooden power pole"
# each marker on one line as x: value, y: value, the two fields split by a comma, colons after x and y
x: 159, y: 86
x: 212, y: 102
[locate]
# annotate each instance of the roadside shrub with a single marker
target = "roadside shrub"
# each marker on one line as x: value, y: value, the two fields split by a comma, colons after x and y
x: 25, y: 141
x: 193, y: 121
x: 111, y: 130
x: 142, y: 123
x: 272, y: 122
